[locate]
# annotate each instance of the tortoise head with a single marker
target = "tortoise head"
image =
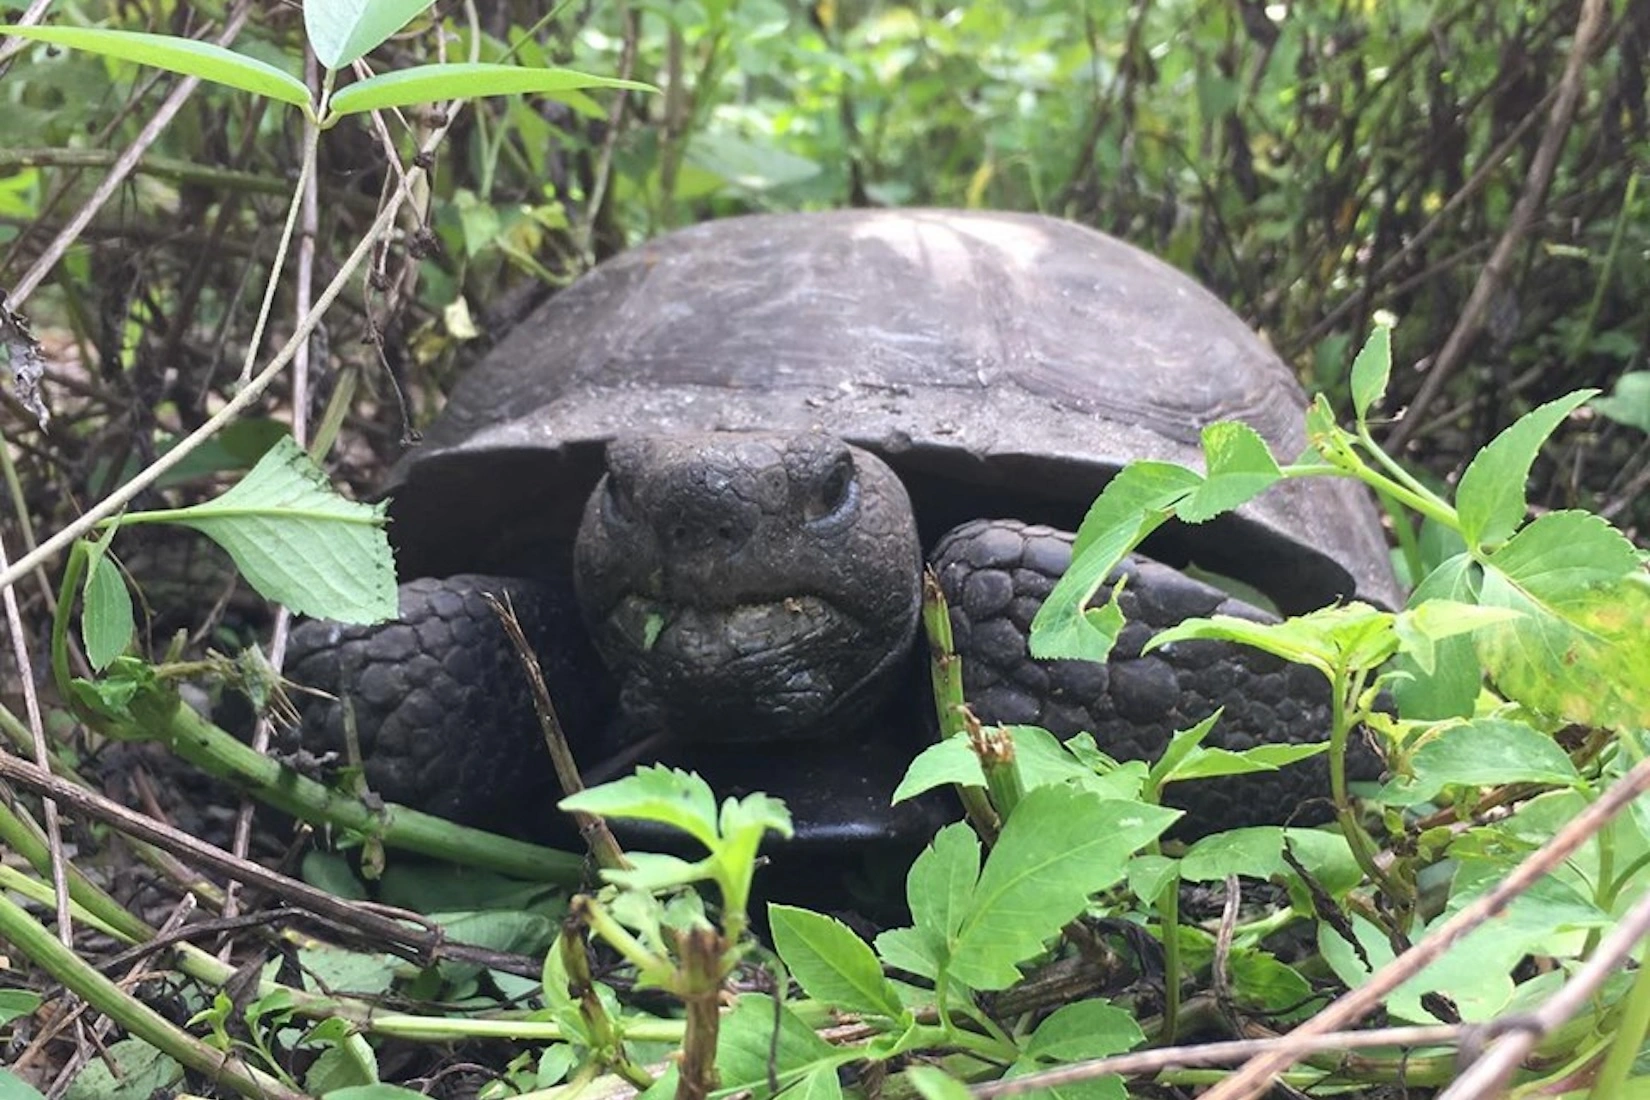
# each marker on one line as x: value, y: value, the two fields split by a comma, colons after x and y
x: 748, y: 587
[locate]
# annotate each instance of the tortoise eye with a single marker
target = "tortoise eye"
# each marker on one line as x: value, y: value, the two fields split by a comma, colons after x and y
x: 835, y: 489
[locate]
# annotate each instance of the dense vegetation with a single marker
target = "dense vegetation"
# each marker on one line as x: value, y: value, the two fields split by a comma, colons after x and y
x: 1473, y: 172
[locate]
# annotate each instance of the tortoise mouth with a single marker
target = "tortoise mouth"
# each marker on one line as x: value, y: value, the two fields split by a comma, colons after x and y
x: 776, y: 669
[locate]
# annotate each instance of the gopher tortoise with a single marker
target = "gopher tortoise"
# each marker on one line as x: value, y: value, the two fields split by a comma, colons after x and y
x: 708, y: 473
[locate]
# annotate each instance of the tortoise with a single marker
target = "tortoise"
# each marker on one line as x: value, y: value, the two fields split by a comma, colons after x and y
x: 708, y: 473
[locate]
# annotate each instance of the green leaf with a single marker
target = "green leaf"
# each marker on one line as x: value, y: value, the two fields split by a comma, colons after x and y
x: 1486, y: 752
x: 1629, y: 401
x: 1138, y: 489
x: 1561, y: 554
x: 1370, y: 371
x: 1180, y: 746
x: 832, y: 964
x: 1490, y: 499
x: 747, y: 1050
x: 1087, y: 1029
x: 13, y: 1087
x: 428, y: 83
x: 1450, y: 688
x: 932, y: 1083
x: 941, y: 885
x: 1040, y: 757
x: 297, y: 541
x: 1149, y: 875
x: 1213, y: 763
x: 1257, y: 852
x: 17, y: 1003
x: 1059, y: 846
x: 1134, y: 504
x: 130, y: 1069
x: 945, y: 763
x: 669, y: 796
x: 375, y: 1092
x: 106, y: 621
x: 820, y: 1083
x: 1238, y: 468
x: 342, y: 31
x: 177, y: 55
x: 1579, y: 657
x: 1357, y: 634
x: 1420, y: 628
x: 907, y: 949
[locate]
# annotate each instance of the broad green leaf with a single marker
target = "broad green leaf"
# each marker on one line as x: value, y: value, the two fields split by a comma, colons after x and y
x: 1206, y: 763
x: 744, y: 822
x: 1261, y: 980
x: 1038, y: 754
x: 1560, y: 554
x: 1180, y: 746
x: 933, y: 1083
x: 1087, y: 1029
x: 1370, y: 371
x: 1422, y: 627
x: 669, y: 796
x: 1579, y: 657
x: 378, y: 1091
x: 1490, y: 499
x: 1258, y: 853
x: 342, y: 31
x: 106, y: 621
x: 1450, y: 688
x: 820, y: 1083
x: 945, y: 763
x: 747, y: 1050
x: 177, y: 55
x: 1059, y: 846
x: 13, y: 1087
x: 941, y: 886
x: 1355, y: 633
x: 1629, y: 401
x: 1134, y: 504
x: 1149, y: 875
x: 907, y: 949
x: 17, y: 1003
x: 129, y: 1069
x: 1239, y: 467
x: 297, y: 541
x: 428, y: 83
x: 831, y: 963
x: 1486, y: 752
x: 1139, y: 488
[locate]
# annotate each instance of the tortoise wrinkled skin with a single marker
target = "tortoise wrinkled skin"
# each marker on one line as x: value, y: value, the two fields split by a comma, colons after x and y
x: 739, y: 442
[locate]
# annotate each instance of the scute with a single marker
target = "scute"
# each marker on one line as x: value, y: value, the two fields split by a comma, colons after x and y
x: 991, y: 353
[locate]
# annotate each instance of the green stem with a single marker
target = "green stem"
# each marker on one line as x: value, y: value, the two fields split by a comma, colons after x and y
x: 36, y: 942
x: 1629, y: 1036
x: 649, y: 966
x: 160, y: 717
x: 1344, y: 685
x: 1168, y: 909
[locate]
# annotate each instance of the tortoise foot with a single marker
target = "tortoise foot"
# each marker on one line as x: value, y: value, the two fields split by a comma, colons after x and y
x: 996, y: 574
x: 441, y: 708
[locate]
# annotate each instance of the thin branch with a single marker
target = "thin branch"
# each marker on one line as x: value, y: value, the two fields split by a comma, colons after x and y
x: 1536, y: 182
x: 110, y: 184
x: 1252, y: 1079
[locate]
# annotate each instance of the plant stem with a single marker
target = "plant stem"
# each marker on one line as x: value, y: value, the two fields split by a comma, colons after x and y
x: 222, y: 755
x: 36, y: 942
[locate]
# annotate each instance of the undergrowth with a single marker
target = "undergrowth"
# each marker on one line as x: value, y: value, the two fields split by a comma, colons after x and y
x: 1472, y: 924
